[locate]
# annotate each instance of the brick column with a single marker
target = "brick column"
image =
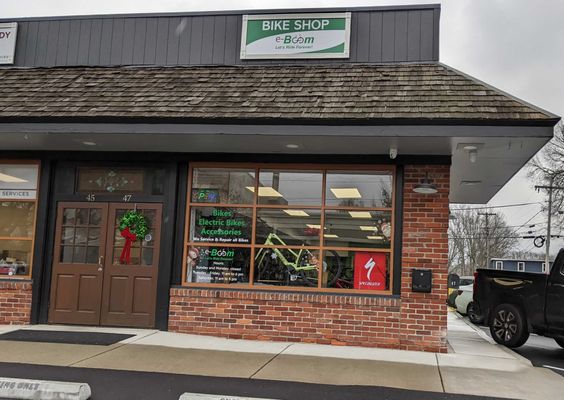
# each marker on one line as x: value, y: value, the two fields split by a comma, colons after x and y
x: 15, y: 302
x: 423, y: 316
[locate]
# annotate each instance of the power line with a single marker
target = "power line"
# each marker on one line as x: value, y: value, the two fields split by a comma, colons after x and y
x: 502, y: 206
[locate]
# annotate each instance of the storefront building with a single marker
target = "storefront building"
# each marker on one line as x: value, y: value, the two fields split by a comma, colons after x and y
x: 274, y: 175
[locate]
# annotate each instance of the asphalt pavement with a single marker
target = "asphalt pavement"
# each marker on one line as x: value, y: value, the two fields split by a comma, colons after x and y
x: 134, y: 385
x: 541, y: 351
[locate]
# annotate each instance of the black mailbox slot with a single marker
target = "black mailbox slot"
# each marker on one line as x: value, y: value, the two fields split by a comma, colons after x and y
x: 421, y: 280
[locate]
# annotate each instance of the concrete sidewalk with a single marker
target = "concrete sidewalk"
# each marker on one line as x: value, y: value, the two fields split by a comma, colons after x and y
x: 474, y: 366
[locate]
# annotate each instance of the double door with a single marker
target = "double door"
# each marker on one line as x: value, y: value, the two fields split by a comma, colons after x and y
x: 90, y: 284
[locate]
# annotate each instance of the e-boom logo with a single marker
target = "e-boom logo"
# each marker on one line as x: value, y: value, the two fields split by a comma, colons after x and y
x: 288, y: 39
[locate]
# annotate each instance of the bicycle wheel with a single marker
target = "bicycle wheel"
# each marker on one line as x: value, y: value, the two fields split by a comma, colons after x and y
x: 308, y: 275
x: 333, y: 267
x: 268, y: 271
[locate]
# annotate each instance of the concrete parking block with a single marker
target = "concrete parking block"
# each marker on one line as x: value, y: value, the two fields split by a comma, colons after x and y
x: 179, y: 361
x: 47, y: 353
x: 333, y: 371
x: 24, y: 389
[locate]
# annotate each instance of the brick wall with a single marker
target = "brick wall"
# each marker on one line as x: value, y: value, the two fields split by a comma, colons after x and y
x: 288, y: 317
x: 414, y: 321
x: 425, y: 245
x: 15, y: 302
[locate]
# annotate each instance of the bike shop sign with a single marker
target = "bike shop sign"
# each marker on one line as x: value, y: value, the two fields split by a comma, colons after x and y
x: 8, y: 33
x: 369, y: 270
x: 295, y: 36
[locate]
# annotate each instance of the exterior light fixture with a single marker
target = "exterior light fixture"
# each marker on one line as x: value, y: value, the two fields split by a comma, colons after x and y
x: 425, y: 186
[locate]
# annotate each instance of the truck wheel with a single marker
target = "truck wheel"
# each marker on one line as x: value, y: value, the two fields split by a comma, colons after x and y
x: 508, y: 326
x: 560, y: 341
x: 474, y: 314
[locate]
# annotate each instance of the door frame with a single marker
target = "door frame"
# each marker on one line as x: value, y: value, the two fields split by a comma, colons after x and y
x: 170, y: 253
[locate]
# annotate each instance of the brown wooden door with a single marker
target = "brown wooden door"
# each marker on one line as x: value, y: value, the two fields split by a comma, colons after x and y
x: 77, y: 277
x: 129, y: 295
x: 89, y: 285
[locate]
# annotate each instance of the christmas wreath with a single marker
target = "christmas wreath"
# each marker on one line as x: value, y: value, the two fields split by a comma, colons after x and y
x: 132, y: 226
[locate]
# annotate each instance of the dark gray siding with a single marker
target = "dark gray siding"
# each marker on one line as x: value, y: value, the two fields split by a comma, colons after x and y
x: 377, y: 36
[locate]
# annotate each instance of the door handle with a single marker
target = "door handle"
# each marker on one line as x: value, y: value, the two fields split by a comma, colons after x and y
x: 100, y: 263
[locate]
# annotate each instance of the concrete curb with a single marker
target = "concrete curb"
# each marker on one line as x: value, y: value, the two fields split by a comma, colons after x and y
x: 13, y: 388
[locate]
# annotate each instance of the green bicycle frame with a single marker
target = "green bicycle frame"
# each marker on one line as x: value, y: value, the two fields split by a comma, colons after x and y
x: 270, y: 240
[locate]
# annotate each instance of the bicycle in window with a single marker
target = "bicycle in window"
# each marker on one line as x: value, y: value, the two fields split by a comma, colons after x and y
x: 287, y: 267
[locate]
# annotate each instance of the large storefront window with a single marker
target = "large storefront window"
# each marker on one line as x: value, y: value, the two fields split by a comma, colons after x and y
x: 18, y: 204
x: 317, y: 228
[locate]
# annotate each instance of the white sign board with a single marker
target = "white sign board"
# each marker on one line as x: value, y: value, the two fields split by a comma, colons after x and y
x: 18, y: 194
x: 8, y: 33
x: 296, y: 36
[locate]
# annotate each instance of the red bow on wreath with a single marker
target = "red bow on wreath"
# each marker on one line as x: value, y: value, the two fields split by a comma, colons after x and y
x: 129, y: 237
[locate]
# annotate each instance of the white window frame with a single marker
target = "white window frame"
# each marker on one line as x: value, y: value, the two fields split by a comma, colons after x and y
x: 521, y: 266
x: 499, y: 265
x: 544, y: 268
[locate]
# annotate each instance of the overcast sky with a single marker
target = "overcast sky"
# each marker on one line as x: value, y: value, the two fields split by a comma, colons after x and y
x: 515, y: 45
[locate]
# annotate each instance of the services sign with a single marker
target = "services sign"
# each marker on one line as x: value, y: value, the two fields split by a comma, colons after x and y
x: 296, y: 36
x: 8, y: 33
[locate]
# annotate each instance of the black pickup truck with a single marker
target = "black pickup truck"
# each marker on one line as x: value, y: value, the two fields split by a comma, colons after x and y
x: 515, y: 304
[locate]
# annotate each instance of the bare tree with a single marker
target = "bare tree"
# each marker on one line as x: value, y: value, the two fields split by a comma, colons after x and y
x: 469, y: 239
x: 549, y: 163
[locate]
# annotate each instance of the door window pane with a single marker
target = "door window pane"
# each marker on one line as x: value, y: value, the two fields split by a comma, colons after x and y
x: 359, y: 189
x: 288, y: 227
x: 353, y: 228
x: 15, y: 257
x: 361, y: 270
x: 16, y: 219
x: 286, y: 267
x: 221, y: 225
x: 290, y: 188
x: 228, y: 186
x: 218, y: 264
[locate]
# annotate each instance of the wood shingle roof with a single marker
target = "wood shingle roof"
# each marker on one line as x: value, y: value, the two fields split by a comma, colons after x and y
x: 298, y: 92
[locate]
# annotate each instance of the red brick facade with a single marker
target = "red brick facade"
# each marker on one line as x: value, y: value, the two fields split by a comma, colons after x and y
x: 414, y: 321
x: 15, y: 302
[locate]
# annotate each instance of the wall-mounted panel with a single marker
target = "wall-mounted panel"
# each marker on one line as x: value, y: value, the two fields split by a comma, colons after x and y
x: 380, y: 35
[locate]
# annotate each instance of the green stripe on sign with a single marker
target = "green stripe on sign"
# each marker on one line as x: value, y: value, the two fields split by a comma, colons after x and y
x: 255, y: 27
x: 340, y: 48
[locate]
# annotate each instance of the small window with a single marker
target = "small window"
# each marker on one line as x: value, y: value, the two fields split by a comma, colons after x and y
x: 521, y: 266
x: 499, y: 265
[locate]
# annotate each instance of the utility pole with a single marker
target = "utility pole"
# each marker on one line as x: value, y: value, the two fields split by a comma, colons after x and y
x: 487, y: 215
x: 550, y: 188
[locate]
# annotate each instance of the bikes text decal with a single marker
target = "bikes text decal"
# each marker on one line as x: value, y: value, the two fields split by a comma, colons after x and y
x: 221, y: 225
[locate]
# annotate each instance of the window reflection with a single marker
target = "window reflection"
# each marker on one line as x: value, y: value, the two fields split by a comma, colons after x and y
x: 353, y: 228
x: 227, y: 186
x: 359, y: 189
x: 290, y: 187
x: 288, y: 227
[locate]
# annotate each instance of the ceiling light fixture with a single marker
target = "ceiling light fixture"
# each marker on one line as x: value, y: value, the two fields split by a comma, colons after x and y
x: 376, y: 237
x: 360, y: 214
x: 470, y: 183
x: 89, y: 143
x: 296, y: 213
x: 472, y: 155
x: 11, y: 179
x: 330, y: 235
x: 425, y: 186
x: 368, y: 228
x: 346, y: 193
x: 265, y: 191
x: 292, y: 146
